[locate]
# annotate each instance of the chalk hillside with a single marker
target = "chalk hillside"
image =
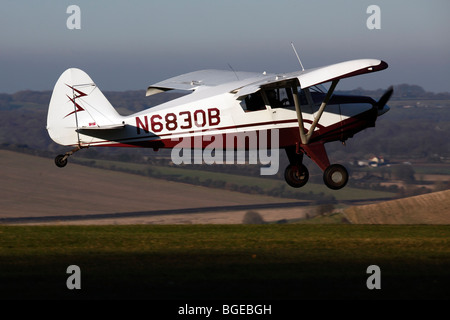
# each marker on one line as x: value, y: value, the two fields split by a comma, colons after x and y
x: 432, y: 208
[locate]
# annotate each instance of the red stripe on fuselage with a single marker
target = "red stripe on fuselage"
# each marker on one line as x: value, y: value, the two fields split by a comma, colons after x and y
x: 287, y: 136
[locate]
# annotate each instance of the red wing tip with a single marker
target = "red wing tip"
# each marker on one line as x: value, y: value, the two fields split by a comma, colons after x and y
x: 383, y: 65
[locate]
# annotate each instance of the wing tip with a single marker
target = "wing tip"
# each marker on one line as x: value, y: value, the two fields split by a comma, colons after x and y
x: 383, y: 65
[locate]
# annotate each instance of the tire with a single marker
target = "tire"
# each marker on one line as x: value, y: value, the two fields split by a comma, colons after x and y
x: 335, y: 176
x: 296, y: 176
x: 60, y: 161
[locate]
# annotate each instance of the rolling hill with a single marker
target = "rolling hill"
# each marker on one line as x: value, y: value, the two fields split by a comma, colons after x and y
x: 34, y: 187
x: 432, y: 208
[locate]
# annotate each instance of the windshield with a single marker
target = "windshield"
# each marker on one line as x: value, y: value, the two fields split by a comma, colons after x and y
x: 318, y: 89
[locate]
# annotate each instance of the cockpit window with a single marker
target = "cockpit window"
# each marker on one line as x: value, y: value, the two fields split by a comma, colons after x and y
x: 280, y: 97
x: 283, y: 98
x: 253, y: 102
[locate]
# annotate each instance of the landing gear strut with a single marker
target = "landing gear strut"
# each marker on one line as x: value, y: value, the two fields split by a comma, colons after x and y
x: 61, y: 159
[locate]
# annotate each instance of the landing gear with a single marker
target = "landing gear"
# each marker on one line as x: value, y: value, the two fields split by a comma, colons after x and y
x: 335, y: 176
x: 296, y: 175
x: 61, y: 159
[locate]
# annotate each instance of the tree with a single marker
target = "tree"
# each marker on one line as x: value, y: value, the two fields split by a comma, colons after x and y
x: 324, y: 208
x: 404, y: 172
x: 253, y: 217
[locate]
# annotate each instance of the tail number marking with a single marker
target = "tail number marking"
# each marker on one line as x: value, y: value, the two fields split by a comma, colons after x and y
x: 184, y: 120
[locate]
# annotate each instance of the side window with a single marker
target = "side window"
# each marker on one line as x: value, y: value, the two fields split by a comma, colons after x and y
x: 280, y: 97
x: 253, y: 102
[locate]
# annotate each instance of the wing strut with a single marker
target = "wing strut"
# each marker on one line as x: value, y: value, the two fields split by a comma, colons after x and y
x: 321, y: 109
x: 306, y: 137
x: 298, y: 109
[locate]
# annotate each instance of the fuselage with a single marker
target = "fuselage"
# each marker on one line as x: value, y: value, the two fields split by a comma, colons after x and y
x: 210, y: 112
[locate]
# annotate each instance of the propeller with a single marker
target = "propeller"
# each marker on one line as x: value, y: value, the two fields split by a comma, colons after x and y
x: 381, y: 104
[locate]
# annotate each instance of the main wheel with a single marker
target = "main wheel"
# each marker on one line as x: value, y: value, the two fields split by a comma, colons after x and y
x: 335, y: 176
x: 60, y: 161
x: 296, y: 176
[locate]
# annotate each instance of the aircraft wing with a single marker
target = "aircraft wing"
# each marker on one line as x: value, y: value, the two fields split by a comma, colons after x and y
x: 311, y: 77
x: 197, y: 79
x: 307, y: 78
x: 341, y: 70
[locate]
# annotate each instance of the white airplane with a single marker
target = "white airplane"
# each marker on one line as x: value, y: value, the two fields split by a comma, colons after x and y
x: 222, y: 104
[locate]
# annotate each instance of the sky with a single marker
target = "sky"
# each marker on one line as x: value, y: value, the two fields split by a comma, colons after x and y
x: 129, y: 45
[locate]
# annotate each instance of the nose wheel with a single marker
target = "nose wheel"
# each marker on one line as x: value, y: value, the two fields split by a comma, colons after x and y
x: 335, y: 176
x: 296, y: 175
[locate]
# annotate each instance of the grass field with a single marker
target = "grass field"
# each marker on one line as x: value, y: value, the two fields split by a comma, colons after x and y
x: 265, y: 184
x: 225, y: 261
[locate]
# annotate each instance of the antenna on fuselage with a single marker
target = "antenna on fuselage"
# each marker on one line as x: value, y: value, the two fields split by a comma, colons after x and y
x: 229, y: 65
x: 298, y: 58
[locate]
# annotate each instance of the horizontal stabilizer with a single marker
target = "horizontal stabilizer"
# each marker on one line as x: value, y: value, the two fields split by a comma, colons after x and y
x: 104, y: 127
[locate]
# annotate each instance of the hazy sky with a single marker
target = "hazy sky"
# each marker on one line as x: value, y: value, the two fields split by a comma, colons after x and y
x: 131, y: 44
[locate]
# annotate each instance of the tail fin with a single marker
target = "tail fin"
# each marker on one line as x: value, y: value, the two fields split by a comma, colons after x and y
x: 77, y: 103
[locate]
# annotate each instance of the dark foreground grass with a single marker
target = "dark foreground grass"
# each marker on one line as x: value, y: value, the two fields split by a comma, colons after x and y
x: 225, y: 261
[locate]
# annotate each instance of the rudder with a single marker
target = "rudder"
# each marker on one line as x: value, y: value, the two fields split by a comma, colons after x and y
x: 77, y: 103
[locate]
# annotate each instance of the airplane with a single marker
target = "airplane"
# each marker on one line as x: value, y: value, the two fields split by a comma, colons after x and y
x: 221, y: 103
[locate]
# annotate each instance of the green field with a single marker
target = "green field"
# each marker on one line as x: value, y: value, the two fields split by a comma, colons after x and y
x: 265, y: 184
x: 225, y: 261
